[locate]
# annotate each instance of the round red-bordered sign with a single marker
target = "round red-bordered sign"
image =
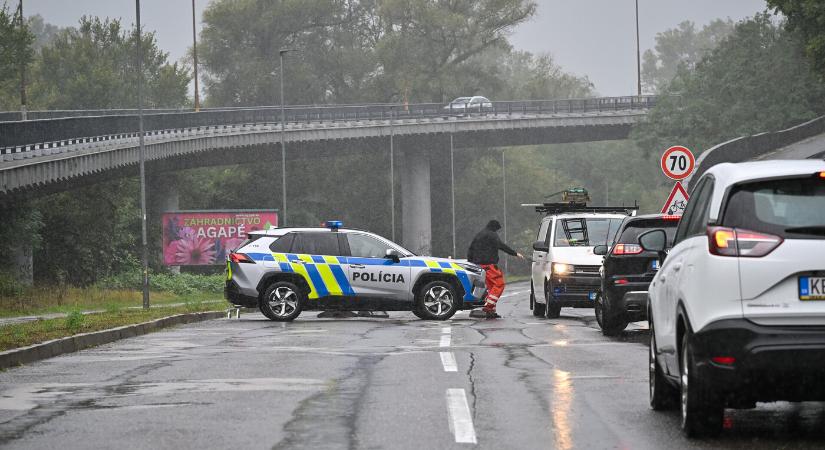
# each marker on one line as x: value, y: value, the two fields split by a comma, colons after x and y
x: 678, y: 162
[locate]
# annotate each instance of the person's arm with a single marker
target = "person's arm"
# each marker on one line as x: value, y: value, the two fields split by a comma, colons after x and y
x: 506, y: 248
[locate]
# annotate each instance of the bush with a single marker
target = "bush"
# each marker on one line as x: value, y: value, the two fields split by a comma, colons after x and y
x: 74, y: 321
x: 179, y: 284
x: 9, y: 287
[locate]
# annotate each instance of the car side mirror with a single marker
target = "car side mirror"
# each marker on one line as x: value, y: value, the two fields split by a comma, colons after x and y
x: 393, y: 255
x: 541, y: 246
x: 654, y: 241
x: 600, y: 250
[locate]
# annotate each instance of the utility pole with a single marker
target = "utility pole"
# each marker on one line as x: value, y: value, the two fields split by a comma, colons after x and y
x: 281, y: 54
x: 23, y: 101
x: 392, y: 173
x: 145, y: 253
x: 195, y: 54
x: 638, y: 55
x: 504, y: 202
x: 452, y: 191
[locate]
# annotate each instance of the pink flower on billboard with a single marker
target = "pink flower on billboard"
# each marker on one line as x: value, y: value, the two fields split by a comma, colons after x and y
x: 233, y: 244
x: 186, y: 233
x: 195, y: 251
x: 169, y: 253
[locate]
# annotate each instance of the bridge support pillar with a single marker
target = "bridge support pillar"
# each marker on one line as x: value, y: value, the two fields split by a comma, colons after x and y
x: 163, y: 197
x: 416, y: 227
x: 22, y: 259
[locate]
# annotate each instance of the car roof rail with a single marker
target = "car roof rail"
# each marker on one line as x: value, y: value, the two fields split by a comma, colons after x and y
x: 580, y: 207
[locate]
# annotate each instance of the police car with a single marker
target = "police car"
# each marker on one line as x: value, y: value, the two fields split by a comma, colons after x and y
x: 284, y: 271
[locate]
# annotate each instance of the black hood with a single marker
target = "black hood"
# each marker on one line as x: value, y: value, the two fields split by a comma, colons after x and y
x: 493, y: 225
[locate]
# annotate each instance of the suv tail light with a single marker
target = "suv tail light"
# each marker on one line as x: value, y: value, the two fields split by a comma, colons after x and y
x: 627, y: 249
x: 735, y: 242
x: 240, y: 258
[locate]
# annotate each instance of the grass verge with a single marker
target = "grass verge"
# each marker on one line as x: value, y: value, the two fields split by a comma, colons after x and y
x: 34, y: 332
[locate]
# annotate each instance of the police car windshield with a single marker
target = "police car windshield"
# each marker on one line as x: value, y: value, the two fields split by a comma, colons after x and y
x: 584, y: 232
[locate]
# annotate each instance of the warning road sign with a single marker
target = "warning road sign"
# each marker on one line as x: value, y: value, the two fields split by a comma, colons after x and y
x: 678, y: 162
x: 676, y: 201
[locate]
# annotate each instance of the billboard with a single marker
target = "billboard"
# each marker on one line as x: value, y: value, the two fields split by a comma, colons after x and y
x: 202, y: 238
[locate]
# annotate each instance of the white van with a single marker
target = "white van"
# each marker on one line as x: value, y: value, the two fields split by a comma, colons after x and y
x: 565, y: 271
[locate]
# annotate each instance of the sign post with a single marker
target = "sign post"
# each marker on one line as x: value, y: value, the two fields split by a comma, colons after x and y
x: 677, y: 164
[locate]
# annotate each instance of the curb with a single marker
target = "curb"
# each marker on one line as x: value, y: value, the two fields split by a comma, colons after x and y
x: 48, y: 349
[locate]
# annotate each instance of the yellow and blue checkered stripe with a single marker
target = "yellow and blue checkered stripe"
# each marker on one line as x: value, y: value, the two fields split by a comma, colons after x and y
x: 326, y: 276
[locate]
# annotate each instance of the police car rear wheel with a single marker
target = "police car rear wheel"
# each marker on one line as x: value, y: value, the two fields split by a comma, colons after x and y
x: 437, y: 300
x: 282, y: 302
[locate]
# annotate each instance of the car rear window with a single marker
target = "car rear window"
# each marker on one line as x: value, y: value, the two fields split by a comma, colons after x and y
x: 323, y: 243
x: 791, y: 208
x: 282, y: 244
x: 631, y: 233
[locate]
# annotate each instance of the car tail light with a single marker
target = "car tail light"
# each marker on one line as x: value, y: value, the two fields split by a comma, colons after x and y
x: 240, y: 258
x: 734, y: 242
x: 822, y: 175
x: 627, y: 249
x: 621, y: 281
x: 724, y: 360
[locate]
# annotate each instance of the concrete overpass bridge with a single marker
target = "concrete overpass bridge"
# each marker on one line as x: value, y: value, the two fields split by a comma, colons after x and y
x: 72, y: 148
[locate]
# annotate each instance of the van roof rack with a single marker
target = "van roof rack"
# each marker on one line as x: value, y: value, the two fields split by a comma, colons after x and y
x: 580, y: 207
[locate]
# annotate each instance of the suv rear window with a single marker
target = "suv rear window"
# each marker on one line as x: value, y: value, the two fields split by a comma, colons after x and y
x: 323, y: 243
x: 791, y: 208
x: 631, y: 233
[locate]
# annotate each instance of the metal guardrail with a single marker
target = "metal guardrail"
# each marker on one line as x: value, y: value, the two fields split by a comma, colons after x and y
x: 21, y: 135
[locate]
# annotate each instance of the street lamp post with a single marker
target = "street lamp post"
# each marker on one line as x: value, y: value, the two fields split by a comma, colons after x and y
x: 504, y: 201
x: 195, y: 62
x: 638, y: 55
x: 23, y: 100
x: 145, y: 247
x: 281, y: 54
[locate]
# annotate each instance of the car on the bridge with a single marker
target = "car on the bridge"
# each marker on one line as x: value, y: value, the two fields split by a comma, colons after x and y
x: 469, y: 104
x: 627, y: 271
x: 283, y: 271
x: 737, y: 309
x: 565, y: 270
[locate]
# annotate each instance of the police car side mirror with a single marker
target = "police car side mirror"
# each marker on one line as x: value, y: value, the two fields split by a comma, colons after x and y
x: 600, y: 250
x: 394, y: 255
x: 540, y: 246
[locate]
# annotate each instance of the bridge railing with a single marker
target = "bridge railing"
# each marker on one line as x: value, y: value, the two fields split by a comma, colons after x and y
x: 24, y: 133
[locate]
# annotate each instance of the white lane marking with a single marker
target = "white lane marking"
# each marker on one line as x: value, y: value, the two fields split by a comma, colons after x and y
x: 448, y: 361
x: 514, y: 294
x: 445, y: 340
x: 461, y: 421
x: 446, y: 330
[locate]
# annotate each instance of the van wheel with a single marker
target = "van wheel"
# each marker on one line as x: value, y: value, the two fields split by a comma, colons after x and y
x: 552, y: 307
x: 702, y: 411
x: 436, y: 300
x: 282, y: 302
x: 538, y: 308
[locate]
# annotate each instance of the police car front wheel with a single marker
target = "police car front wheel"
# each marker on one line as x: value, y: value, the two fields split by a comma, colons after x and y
x: 282, y: 302
x: 436, y: 300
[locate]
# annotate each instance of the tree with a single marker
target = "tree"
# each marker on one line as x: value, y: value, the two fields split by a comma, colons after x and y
x: 15, y: 52
x: 807, y: 17
x: 678, y: 47
x: 349, y: 50
x: 94, y: 66
x: 756, y: 80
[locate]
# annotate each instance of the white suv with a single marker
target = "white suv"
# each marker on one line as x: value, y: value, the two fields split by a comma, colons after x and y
x: 737, y: 309
x: 565, y: 271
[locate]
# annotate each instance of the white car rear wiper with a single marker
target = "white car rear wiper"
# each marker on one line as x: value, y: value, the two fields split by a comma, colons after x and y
x: 812, y: 229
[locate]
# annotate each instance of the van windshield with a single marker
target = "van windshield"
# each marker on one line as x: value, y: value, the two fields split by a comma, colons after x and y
x: 584, y: 232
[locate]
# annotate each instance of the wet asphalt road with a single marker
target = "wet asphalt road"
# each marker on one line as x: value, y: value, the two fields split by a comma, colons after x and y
x: 516, y: 382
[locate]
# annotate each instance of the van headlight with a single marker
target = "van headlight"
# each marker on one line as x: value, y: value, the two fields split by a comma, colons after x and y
x: 470, y: 267
x: 561, y: 268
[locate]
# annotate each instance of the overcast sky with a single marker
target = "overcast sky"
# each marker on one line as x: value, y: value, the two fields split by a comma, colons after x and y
x: 587, y: 37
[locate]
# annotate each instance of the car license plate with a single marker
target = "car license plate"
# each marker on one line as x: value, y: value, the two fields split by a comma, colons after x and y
x: 654, y: 265
x: 812, y: 288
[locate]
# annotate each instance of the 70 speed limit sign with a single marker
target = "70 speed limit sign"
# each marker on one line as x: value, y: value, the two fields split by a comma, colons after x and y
x: 678, y: 162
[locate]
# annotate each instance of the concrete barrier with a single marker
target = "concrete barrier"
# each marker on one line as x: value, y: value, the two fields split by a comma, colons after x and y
x: 49, y: 349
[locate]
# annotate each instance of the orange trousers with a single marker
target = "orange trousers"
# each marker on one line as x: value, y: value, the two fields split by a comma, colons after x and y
x: 494, y: 280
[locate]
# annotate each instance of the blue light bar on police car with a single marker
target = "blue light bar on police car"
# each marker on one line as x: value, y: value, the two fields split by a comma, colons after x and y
x: 334, y: 224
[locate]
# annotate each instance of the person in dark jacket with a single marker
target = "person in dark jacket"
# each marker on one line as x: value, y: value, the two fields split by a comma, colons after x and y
x: 484, y: 252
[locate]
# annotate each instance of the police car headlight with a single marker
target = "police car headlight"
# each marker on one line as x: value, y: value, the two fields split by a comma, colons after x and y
x: 470, y: 268
x: 561, y: 269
